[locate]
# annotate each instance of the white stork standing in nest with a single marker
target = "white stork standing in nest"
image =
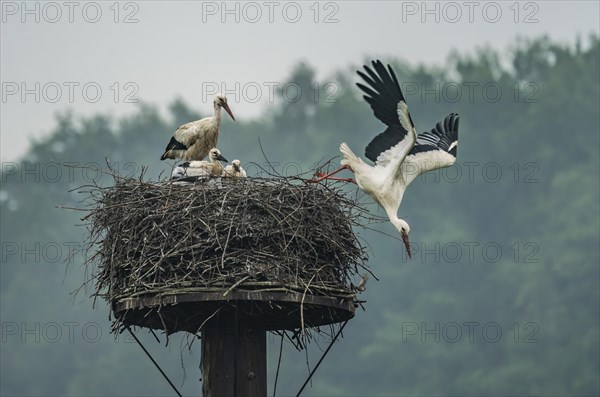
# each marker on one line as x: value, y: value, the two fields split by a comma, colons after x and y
x: 192, y: 141
x: 399, y: 154
x: 235, y: 170
x: 192, y: 170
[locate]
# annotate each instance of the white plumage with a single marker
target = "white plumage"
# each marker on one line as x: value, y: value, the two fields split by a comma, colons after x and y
x: 191, y: 170
x: 192, y: 141
x: 235, y: 170
x: 400, y: 155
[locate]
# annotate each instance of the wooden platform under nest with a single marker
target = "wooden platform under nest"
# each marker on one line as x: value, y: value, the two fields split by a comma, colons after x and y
x: 189, y: 311
x: 171, y: 256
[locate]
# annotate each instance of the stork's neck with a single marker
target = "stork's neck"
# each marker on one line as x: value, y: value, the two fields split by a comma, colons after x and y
x: 218, y: 114
x: 217, y: 167
x: 215, y: 163
x: 397, y: 222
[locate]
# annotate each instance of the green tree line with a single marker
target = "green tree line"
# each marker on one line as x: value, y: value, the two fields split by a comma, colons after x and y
x: 501, y: 296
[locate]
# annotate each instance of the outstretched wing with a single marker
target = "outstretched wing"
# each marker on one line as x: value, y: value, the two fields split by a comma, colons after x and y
x: 433, y: 150
x: 384, y: 95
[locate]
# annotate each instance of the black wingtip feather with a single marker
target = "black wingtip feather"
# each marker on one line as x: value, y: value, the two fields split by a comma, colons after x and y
x: 441, y: 137
x: 439, y: 130
x: 384, y: 90
x: 455, y: 125
x: 367, y: 90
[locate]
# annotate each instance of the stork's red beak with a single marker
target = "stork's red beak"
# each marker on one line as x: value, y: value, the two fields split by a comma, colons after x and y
x: 406, y: 244
x: 226, y: 107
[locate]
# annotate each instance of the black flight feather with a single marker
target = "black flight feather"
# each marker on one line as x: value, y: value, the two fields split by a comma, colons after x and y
x: 174, y: 144
x: 439, y: 138
x: 383, y: 93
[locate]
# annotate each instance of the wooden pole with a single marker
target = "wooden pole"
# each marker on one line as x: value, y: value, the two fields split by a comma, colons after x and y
x: 234, y: 357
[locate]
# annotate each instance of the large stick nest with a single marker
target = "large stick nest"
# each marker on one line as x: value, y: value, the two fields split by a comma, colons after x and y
x: 249, y: 234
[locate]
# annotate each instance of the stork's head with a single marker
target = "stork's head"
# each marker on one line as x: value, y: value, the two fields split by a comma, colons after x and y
x: 236, y: 165
x: 221, y: 102
x: 215, y: 155
x: 404, y: 229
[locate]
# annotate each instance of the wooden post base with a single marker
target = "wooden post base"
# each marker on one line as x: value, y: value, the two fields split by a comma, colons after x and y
x: 234, y: 357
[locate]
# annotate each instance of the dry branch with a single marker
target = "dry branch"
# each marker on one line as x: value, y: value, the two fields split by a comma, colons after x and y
x: 255, y: 234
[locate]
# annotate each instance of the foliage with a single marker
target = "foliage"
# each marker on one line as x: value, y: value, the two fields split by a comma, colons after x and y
x: 542, y: 210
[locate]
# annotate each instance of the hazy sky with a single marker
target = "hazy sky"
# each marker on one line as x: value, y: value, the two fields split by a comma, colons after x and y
x: 100, y: 56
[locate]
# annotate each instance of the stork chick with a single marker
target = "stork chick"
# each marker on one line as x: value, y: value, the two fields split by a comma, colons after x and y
x: 235, y: 170
x: 201, y: 169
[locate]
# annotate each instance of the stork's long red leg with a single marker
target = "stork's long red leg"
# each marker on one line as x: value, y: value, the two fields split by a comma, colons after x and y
x: 344, y: 167
x: 329, y: 176
x: 333, y: 178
